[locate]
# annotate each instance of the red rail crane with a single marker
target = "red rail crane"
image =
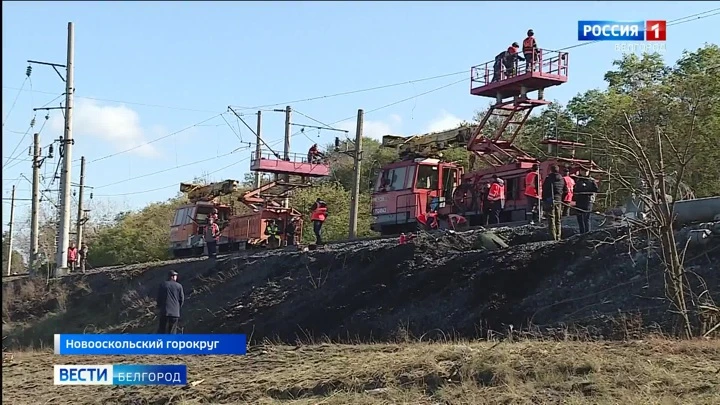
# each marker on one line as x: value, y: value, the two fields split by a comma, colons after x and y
x: 244, y: 230
x: 422, y: 186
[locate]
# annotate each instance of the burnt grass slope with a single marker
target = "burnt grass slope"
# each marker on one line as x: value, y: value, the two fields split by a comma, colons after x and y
x: 437, y: 287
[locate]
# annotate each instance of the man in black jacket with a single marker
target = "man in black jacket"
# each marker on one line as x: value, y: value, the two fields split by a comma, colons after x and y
x: 553, y: 190
x: 170, y: 298
x: 584, y: 196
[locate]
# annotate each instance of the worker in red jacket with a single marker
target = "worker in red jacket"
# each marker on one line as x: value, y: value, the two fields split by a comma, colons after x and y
x: 318, y: 215
x: 532, y: 185
x: 314, y: 154
x: 496, y: 199
x: 568, y: 197
x: 72, y: 257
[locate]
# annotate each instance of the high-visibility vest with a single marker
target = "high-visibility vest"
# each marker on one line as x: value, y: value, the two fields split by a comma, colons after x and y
x: 530, y: 185
x: 528, y: 45
x: 319, y: 214
x: 495, y: 193
x: 212, y: 232
x: 570, y: 183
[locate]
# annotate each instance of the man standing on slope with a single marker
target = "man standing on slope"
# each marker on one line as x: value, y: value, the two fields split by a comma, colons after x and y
x: 585, y: 190
x: 170, y: 298
x: 568, y: 197
x: 319, y: 213
x: 532, y: 185
x: 212, y: 236
x: 553, y: 190
x: 496, y: 199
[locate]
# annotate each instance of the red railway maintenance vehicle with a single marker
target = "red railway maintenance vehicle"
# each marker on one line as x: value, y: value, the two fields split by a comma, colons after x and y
x: 422, y: 183
x: 266, y: 202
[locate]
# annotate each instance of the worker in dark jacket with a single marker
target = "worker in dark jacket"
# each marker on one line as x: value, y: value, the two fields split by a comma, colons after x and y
x: 170, y: 298
x: 319, y: 213
x: 553, y: 190
x: 507, y: 59
x: 290, y: 231
x: 584, y: 195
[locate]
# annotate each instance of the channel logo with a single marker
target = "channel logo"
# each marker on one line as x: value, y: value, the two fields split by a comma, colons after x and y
x: 650, y: 30
x: 120, y: 374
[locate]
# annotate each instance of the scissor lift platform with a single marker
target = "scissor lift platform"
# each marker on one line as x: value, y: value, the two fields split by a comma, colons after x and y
x: 296, y: 165
x: 551, y: 69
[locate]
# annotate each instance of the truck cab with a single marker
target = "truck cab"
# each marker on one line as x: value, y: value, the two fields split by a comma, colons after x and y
x: 188, y: 227
x: 407, y: 189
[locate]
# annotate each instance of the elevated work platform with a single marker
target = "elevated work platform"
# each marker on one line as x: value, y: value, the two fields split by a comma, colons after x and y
x: 551, y: 69
x: 296, y: 165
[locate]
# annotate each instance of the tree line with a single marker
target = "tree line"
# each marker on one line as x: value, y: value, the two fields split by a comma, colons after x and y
x: 641, y: 90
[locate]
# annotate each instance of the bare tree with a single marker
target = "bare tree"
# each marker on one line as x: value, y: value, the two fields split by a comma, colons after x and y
x: 657, y: 193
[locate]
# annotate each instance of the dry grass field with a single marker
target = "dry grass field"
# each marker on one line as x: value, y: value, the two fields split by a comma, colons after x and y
x: 654, y: 371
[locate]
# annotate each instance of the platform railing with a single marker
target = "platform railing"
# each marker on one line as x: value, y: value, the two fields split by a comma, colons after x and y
x: 292, y: 157
x: 548, y: 63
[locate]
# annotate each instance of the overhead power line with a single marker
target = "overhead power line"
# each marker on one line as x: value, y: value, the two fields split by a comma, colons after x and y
x: 154, y: 140
x: 682, y: 20
x: 678, y: 21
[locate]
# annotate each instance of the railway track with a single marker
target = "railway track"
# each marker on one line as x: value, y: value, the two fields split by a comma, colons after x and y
x: 246, y: 253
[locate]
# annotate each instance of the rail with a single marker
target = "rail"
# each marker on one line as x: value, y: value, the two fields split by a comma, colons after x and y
x: 549, y: 63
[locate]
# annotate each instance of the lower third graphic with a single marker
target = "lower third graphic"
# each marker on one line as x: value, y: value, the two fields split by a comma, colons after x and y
x: 121, y: 374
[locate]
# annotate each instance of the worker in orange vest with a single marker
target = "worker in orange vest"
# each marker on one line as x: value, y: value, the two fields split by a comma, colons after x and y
x: 568, y: 197
x: 319, y: 213
x: 532, y: 185
x: 530, y: 50
x: 496, y: 198
x: 212, y: 237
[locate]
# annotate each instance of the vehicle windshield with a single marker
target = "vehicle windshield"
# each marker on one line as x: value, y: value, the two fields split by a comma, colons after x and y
x: 427, y: 177
x: 392, y: 179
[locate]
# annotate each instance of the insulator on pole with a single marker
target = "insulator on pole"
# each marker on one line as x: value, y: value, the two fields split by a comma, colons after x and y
x: 28, y: 71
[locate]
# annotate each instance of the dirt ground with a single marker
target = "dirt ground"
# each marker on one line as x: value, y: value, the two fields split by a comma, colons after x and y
x: 647, y: 372
x: 436, y: 287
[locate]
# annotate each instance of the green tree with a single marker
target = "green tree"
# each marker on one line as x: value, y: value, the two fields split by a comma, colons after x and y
x: 682, y: 100
x: 336, y: 226
x: 136, y: 236
x: 342, y: 166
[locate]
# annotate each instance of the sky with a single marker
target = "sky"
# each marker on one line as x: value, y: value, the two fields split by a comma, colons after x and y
x: 154, y: 80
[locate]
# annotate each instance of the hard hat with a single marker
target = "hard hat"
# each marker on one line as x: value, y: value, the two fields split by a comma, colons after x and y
x: 515, y: 45
x: 530, y: 33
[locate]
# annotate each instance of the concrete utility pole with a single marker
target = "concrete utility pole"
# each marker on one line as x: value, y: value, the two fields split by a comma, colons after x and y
x: 356, y: 176
x: 35, y: 207
x: 286, y: 149
x: 65, y: 178
x: 258, y: 149
x: 10, y: 232
x: 80, y: 212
